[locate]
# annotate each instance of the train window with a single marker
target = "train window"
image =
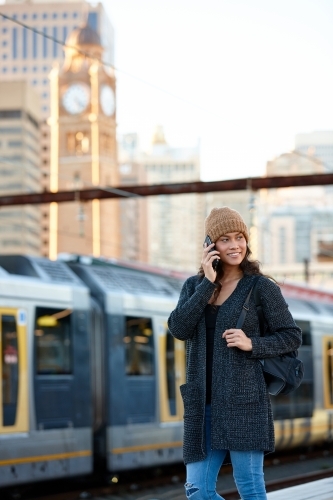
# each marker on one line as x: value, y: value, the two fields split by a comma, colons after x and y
x: 139, y: 346
x: 53, y: 341
x: 328, y: 371
x: 10, y: 368
x: 305, y: 326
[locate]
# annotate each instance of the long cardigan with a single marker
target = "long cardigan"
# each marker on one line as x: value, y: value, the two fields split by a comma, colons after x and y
x: 241, y: 411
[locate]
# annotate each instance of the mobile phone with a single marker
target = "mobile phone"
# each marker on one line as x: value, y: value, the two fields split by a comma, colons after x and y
x: 216, y: 261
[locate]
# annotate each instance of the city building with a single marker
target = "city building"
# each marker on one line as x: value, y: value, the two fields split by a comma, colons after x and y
x: 133, y: 225
x: 30, y: 54
x: 19, y: 167
x: 173, y: 236
x: 317, y: 144
x: 83, y: 149
x: 295, y: 163
x: 295, y: 237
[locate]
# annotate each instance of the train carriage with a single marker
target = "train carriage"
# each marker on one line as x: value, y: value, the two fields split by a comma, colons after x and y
x: 140, y: 410
x: 45, y: 405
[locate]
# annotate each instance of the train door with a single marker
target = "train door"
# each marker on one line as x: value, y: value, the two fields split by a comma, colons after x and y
x: 171, y: 375
x: 328, y: 370
x: 14, y: 371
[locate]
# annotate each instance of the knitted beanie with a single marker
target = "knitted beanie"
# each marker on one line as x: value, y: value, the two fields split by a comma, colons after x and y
x: 224, y: 220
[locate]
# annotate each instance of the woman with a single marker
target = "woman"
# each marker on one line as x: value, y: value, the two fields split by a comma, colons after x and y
x: 226, y: 403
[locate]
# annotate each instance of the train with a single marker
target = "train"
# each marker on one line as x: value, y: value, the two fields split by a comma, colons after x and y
x: 91, y: 373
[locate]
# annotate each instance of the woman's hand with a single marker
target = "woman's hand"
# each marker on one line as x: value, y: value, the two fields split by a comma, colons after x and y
x: 207, y: 262
x: 237, y: 338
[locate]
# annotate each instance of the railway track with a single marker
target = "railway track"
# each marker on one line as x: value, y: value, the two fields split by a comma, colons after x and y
x: 281, y: 471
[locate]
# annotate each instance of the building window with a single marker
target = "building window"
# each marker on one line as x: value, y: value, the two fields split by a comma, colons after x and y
x: 34, y: 82
x: 45, y: 68
x: 4, y: 56
x: 4, y: 70
x: 34, y: 16
x: 15, y: 144
x: 34, y: 69
x: 55, y: 45
x: 64, y: 34
x: 9, y: 243
x: 11, y: 130
x: 54, y: 15
x: 34, y: 45
x: 25, y: 43
x: 45, y: 94
x: 92, y: 20
x: 24, y: 69
x: 45, y: 40
x: 282, y: 244
x: 45, y: 81
x: 14, y: 69
x: 11, y: 113
x: 44, y: 16
x: 4, y: 43
x: 78, y: 143
x: 4, y: 30
x: 75, y: 15
x: 45, y: 108
x: 14, y: 43
x: 64, y: 15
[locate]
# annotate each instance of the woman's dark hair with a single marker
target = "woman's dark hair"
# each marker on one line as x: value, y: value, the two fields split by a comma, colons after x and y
x: 249, y: 267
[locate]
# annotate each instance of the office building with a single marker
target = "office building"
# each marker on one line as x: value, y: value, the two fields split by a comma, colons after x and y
x: 295, y: 223
x: 318, y: 145
x: 19, y: 167
x: 30, y: 55
x: 174, y: 223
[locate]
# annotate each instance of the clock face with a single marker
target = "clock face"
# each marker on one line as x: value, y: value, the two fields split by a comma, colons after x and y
x: 107, y: 100
x: 76, y: 98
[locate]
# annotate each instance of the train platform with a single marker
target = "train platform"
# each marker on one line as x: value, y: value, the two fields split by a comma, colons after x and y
x: 316, y: 490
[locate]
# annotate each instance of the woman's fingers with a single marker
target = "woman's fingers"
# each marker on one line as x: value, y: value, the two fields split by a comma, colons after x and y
x: 237, y: 338
x: 208, y: 257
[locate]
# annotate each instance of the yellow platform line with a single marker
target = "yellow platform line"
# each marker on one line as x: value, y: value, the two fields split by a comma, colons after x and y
x: 46, y: 458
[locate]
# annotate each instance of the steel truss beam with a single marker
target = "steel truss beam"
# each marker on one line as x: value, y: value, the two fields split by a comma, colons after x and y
x: 253, y: 183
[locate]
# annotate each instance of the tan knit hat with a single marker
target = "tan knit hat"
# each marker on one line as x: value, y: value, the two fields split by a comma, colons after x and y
x: 224, y: 220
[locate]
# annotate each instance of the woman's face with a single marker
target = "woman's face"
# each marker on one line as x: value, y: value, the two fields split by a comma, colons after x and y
x: 232, y: 248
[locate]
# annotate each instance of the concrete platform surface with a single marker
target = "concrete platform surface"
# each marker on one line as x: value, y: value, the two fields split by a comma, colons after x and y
x: 317, y: 490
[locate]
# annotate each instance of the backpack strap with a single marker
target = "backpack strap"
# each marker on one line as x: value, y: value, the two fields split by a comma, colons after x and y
x: 245, y: 308
x: 257, y: 301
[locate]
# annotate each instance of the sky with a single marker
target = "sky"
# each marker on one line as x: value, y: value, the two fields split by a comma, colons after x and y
x: 240, y: 77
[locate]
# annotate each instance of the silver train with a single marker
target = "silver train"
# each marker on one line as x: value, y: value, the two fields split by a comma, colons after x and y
x: 90, y: 373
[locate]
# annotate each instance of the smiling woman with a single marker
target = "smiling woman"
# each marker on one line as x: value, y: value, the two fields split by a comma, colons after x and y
x: 226, y: 402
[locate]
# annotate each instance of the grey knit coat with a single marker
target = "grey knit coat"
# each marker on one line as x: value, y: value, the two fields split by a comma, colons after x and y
x: 241, y: 410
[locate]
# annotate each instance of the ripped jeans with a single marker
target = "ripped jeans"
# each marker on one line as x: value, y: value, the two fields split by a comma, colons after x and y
x: 247, y: 466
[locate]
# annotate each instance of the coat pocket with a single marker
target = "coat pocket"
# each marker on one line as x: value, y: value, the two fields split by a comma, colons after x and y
x: 193, y: 399
x: 244, y: 387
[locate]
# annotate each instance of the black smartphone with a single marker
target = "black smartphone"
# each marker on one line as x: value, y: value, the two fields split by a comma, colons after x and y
x: 216, y: 261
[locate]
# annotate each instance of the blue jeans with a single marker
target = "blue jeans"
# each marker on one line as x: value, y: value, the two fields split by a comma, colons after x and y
x: 247, y: 466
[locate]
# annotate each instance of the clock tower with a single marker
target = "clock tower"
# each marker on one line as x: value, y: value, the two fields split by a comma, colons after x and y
x: 83, y: 149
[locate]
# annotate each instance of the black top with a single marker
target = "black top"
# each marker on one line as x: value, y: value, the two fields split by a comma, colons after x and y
x: 210, y: 317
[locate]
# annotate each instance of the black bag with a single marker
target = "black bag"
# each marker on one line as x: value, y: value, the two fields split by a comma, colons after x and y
x: 284, y: 373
